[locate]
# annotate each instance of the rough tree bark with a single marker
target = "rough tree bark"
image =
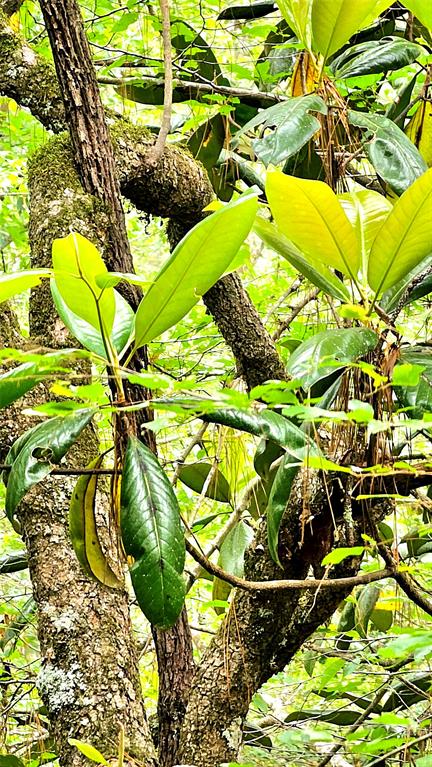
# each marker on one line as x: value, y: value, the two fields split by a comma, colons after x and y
x: 260, y: 633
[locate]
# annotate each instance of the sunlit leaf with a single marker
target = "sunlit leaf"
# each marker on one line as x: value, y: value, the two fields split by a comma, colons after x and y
x: 17, y: 282
x: 195, y: 265
x: 309, y: 214
x: 77, y: 263
x: 405, y: 237
x: 231, y: 559
x: 334, y: 21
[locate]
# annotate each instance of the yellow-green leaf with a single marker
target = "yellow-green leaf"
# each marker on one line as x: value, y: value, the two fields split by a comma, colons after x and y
x: 366, y: 211
x: 311, y: 216
x: 78, y: 266
x: 89, y: 751
x: 298, y: 15
x: 11, y: 284
x: 422, y: 9
x: 405, y: 237
x: 334, y: 21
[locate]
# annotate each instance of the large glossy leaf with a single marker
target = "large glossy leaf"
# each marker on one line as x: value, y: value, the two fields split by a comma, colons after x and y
x: 366, y: 211
x: 393, y: 155
x: 11, y: 284
x: 266, y: 424
x: 293, y: 126
x: 86, y: 334
x: 422, y: 9
x: 309, y: 214
x: 231, y: 559
x: 33, y: 454
x: 152, y: 535
x: 324, y: 353
x: 334, y: 21
x: 374, y: 57
x: 194, y: 475
x: 83, y: 529
x: 315, y: 271
x: 195, y: 265
x: 417, y: 398
x: 77, y: 263
x: 405, y: 237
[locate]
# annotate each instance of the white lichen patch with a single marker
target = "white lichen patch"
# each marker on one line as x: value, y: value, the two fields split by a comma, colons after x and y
x: 233, y: 734
x: 58, y: 687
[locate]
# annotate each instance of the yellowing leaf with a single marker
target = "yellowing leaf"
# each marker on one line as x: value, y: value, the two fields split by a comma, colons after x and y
x: 405, y: 237
x: 419, y: 131
x: 305, y: 77
x: 334, y: 21
x: 311, y: 216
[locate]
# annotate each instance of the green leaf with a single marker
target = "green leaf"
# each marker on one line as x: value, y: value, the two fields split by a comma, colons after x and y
x: 310, y: 215
x: 231, y: 559
x: 334, y: 21
x: 77, y: 263
x: 14, y: 629
x: 325, y: 353
x: 347, y: 619
x: 374, y: 57
x: 11, y: 284
x: 194, y: 476
x: 266, y: 452
x: 86, y: 334
x: 398, y: 294
x: 337, y: 556
x: 317, y: 273
x: 196, y: 52
x: 197, y: 262
x: 393, y: 155
x: 342, y: 718
x: 293, y: 124
x: 366, y: 602
x: 17, y: 382
x: 417, y: 398
x: 266, y: 424
x: 298, y: 15
x: 33, y: 454
x: 366, y: 210
x: 83, y: 529
x: 89, y: 751
x: 405, y: 237
x: 278, y: 502
x: 207, y: 142
x: 422, y: 9
x: 403, y: 695
x: 10, y: 760
x: 152, y: 535
x: 382, y: 619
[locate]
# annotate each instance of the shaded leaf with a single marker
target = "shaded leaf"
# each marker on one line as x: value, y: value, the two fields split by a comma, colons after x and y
x: 294, y: 126
x: 341, y: 718
x: 14, y: 629
x: 393, y: 155
x: 207, y: 142
x: 375, y: 57
x: 17, y: 382
x: 152, y: 535
x: 194, y: 476
x: 231, y: 559
x: 366, y: 602
x: 417, y: 398
x: 196, y: 52
x: 324, y: 353
x: 33, y: 454
x: 403, y: 696
x: 278, y: 501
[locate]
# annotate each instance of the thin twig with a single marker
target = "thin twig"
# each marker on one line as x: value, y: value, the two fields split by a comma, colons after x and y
x: 282, y: 585
x: 157, y: 150
x: 296, y: 310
